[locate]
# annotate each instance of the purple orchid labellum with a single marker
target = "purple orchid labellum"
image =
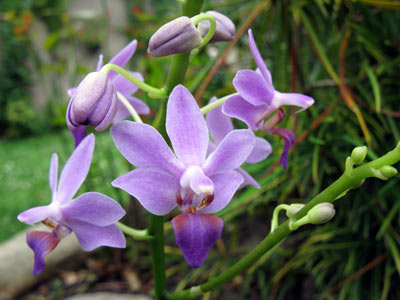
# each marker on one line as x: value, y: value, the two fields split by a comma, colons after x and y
x: 225, y: 29
x: 121, y: 87
x: 220, y: 125
x: 198, y: 184
x: 91, y: 216
x: 258, y: 100
x: 176, y: 36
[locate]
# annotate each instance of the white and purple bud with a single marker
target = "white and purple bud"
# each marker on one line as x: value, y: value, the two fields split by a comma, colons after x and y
x: 321, y: 213
x: 176, y: 36
x: 94, y: 103
x: 225, y: 30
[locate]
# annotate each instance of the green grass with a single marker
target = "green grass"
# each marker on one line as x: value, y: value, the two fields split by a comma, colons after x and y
x: 24, y: 167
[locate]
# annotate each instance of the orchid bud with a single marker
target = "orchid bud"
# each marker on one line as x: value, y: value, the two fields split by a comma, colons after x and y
x: 94, y: 103
x: 293, y: 209
x: 358, y: 154
x: 177, y: 36
x: 388, y: 171
x: 225, y: 30
x: 321, y: 213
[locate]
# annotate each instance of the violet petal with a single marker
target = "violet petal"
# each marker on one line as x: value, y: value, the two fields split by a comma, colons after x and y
x: 289, y: 138
x: 71, y: 91
x: 218, y: 123
x: 248, y: 179
x: 122, y: 57
x: 252, y: 87
x: 225, y: 29
x: 155, y: 190
x: 100, y: 62
x: 79, y: 133
x: 94, y: 208
x: 42, y: 243
x: 38, y: 214
x: 53, y: 174
x: 195, y: 178
x: 75, y: 170
x: 122, y: 112
x: 225, y: 186
x: 186, y: 127
x: 262, y: 149
x: 294, y: 99
x: 124, y: 86
x: 143, y: 146
x: 195, y: 234
x: 231, y: 152
x: 239, y: 108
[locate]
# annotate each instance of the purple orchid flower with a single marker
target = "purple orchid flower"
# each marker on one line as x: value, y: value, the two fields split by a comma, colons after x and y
x: 123, y: 87
x: 197, y: 184
x: 258, y: 100
x: 220, y: 125
x: 91, y: 216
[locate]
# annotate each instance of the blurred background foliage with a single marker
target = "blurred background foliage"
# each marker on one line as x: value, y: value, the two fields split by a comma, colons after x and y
x: 345, y: 54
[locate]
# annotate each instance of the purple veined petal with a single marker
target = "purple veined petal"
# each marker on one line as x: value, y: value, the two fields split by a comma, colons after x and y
x: 248, y: 179
x: 79, y: 133
x: 239, y: 108
x: 226, y: 185
x: 231, y: 152
x: 252, y: 87
x: 195, y: 234
x: 260, y: 62
x: 122, y: 112
x: 262, y: 149
x: 186, y: 127
x: 109, y: 117
x: 195, y: 178
x: 42, y: 243
x: 100, y: 63
x: 94, y: 208
x: 218, y: 123
x: 75, y: 170
x: 122, y: 57
x: 289, y: 138
x: 124, y: 86
x: 92, y: 236
x: 143, y: 146
x: 71, y: 91
x: 38, y: 214
x: 294, y: 99
x: 155, y: 190
x: 53, y: 174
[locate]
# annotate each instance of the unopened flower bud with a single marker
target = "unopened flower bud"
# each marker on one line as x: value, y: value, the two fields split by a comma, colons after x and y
x: 293, y: 209
x: 358, y: 154
x: 321, y: 213
x: 225, y: 29
x: 94, y: 103
x: 177, y: 36
x: 388, y: 171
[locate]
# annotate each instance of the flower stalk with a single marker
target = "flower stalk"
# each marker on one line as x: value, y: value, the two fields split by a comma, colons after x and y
x: 137, y: 234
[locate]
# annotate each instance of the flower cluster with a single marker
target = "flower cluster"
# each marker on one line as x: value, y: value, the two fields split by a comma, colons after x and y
x: 198, y: 175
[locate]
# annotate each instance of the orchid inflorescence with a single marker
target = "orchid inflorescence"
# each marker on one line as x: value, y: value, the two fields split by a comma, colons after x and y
x: 197, y: 174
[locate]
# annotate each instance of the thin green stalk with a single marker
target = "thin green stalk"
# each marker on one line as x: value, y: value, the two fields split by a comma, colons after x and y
x: 137, y: 234
x: 343, y: 183
x: 129, y: 107
x: 211, y: 106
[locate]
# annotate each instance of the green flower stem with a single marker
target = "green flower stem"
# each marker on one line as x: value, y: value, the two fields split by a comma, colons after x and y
x: 137, y: 234
x: 343, y: 183
x: 129, y: 107
x: 213, y: 25
x: 211, y: 106
x: 154, y: 92
x: 156, y: 223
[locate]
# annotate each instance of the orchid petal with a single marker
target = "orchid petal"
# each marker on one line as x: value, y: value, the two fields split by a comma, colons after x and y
x: 195, y: 234
x: 239, y: 108
x: 186, y: 127
x: 259, y: 61
x: 122, y: 57
x: 79, y: 133
x: 71, y: 91
x: 53, y: 174
x: 124, y: 86
x: 293, y: 99
x: 92, y: 236
x: 262, y: 149
x: 42, y: 243
x: 252, y: 87
x: 248, y: 179
x: 197, y: 180
x: 122, y: 112
x: 226, y: 184
x: 155, y: 190
x: 100, y: 62
x: 231, y: 152
x: 75, y: 170
x: 218, y: 123
x: 38, y: 214
x: 289, y: 138
x: 143, y: 146
x: 94, y: 208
